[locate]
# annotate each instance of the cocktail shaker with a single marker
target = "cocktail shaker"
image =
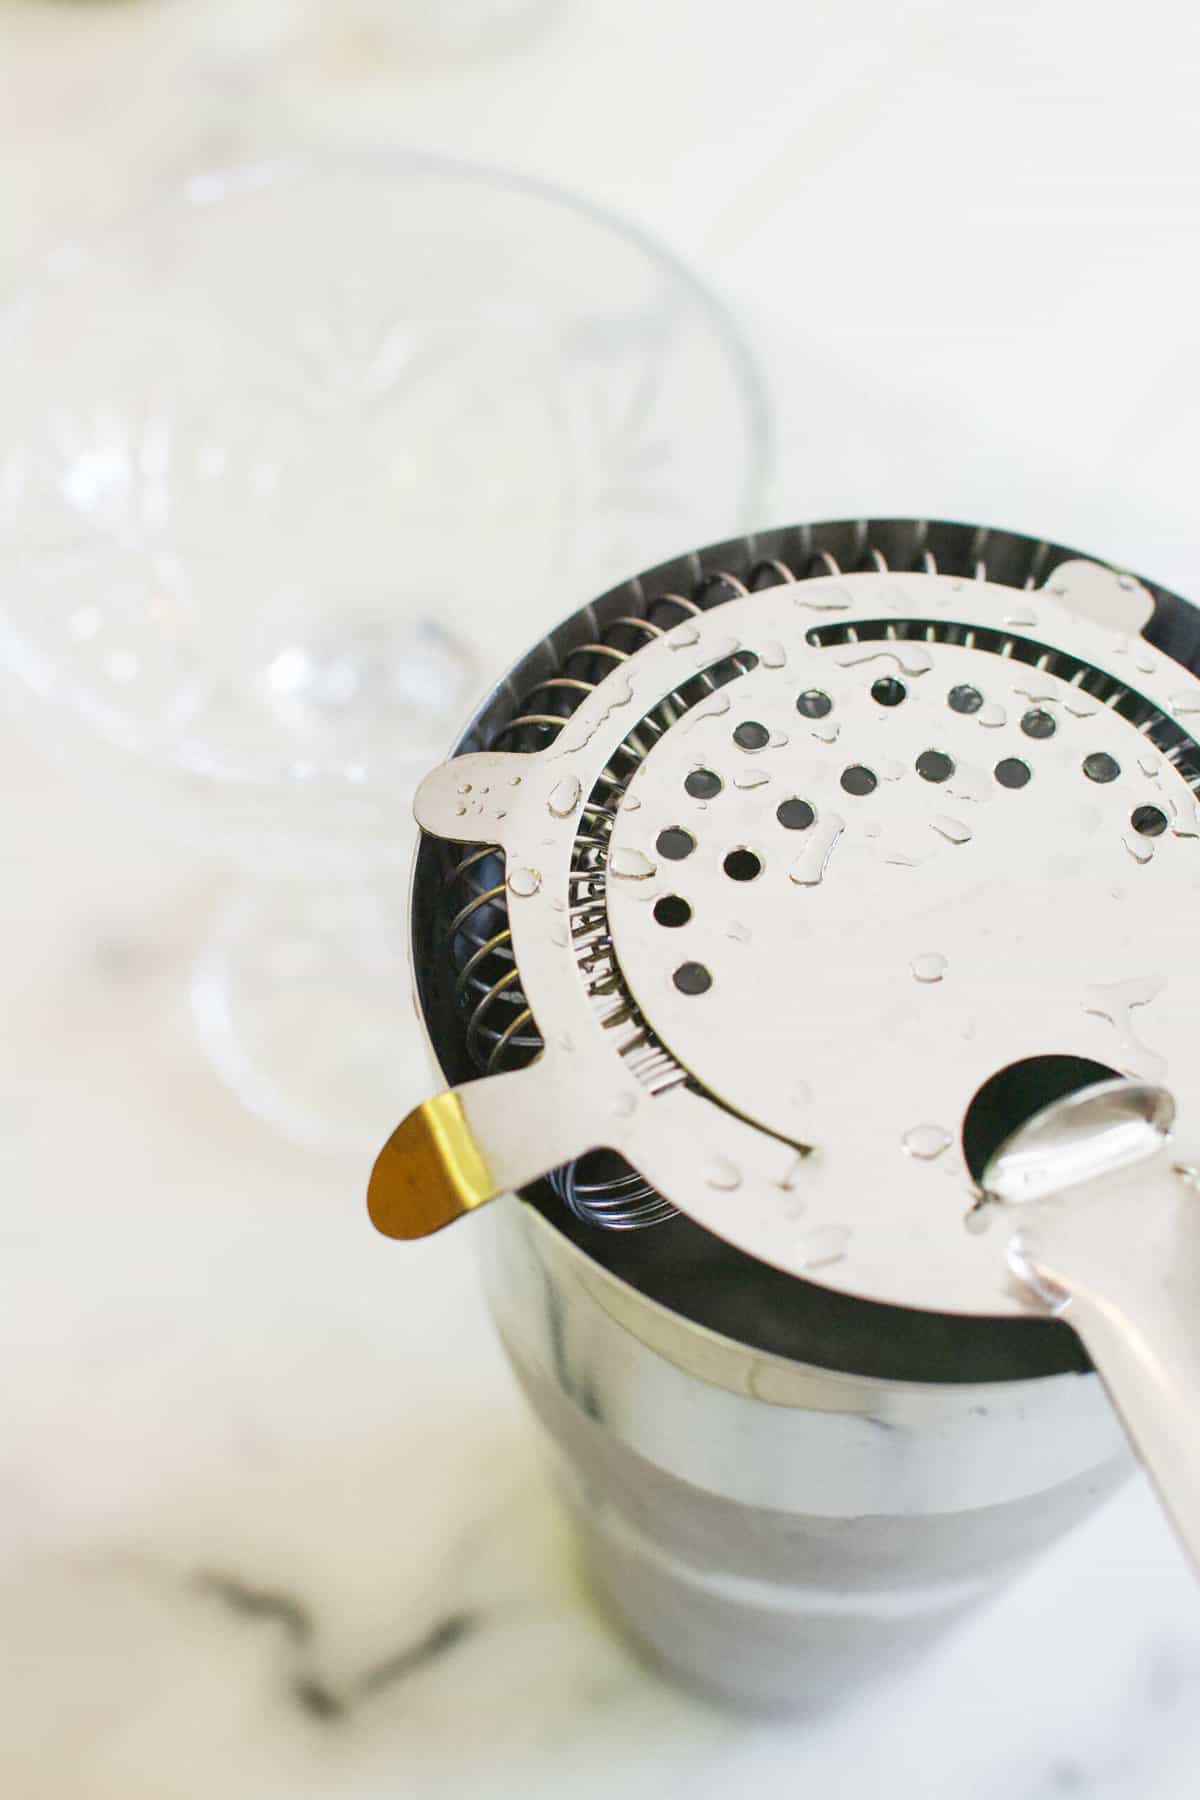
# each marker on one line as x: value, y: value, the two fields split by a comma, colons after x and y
x: 761, y: 904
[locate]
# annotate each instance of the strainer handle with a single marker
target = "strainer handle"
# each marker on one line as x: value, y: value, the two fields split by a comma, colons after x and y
x: 467, y: 1146
x: 1124, y: 1271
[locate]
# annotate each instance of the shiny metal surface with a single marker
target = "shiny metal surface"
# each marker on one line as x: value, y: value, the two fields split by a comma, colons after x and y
x: 1108, y: 1237
x: 774, y: 1532
x: 792, y: 1065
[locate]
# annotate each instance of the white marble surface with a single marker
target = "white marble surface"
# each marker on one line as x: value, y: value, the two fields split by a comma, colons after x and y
x: 250, y: 1455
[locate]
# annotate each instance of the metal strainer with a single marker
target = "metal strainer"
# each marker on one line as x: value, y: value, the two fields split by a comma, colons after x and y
x: 789, y: 894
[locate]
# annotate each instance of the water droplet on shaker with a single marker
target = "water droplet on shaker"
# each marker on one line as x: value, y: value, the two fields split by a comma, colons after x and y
x: 631, y: 803
x: 773, y: 655
x: 524, y: 882
x: 926, y: 1141
x: 631, y: 865
x: 753, y: 778
x: 723, y: 1175
x: 930, y: 966
x: 1185, y: 703
x: 565, y: 796
x: 992, y: 714
x: 558, y: 935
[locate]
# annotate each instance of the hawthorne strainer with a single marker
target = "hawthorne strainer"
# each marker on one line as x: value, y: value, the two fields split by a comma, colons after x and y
x: 835, y: 890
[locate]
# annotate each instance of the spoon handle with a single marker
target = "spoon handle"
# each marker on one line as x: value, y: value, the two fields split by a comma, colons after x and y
x: 1119, y: 1260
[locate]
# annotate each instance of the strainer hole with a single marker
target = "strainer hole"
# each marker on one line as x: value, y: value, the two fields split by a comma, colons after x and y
x: 703, y: 784
x: 1013, y: 1095
x: 1038, y: 723
x: 675, y: 843
x: 888, y: 691
x: 858, y: 779
x: 1149, y: 821
x: 1011, y: 772
x: 795, y: 815
x: 1100, y: 766
x: 672, y: 910
x: 935, y: 765
x: 751, y: 735
x: 743, y: 864
x: 964, y: 698
x: 813, y: 704
x: 692, y: 978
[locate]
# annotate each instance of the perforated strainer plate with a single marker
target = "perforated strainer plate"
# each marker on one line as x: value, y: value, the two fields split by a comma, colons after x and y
x: 923, y: 828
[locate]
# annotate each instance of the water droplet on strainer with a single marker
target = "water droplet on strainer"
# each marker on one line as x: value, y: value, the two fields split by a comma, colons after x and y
x: 825, y: 734
x: 926, y: 1141
x: 1021, y: 615
x: 558, y: 935
x: 631, y: 865
x: 910, y: 659
x: 952, y: 829
x: 524, y: 882
x: 713, y: 709
x: 1150, y: 765
x: 1185, y: 818
x: 809, y: 868
x: 1115, y: 1001
x: 833, y: 599
x: 738, y: 932
x: 723, y: 1175
x: 631, y: 803
x: 565, y: 796
x: 753, y: 778
x: 461, y: 809
x: 1140, y: 848
x: 1185, y: 703
x: 992, y: 715
x: 682, y: 637
x: 827, y: 1244
x: 717, y: 650
x: 773, y: 655
x: 931, y: 965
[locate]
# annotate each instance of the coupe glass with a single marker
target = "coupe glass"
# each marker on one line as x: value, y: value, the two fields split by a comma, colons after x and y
x: 289, y: 468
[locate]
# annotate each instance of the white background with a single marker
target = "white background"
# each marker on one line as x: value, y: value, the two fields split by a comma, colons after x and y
x: 963, y: 243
